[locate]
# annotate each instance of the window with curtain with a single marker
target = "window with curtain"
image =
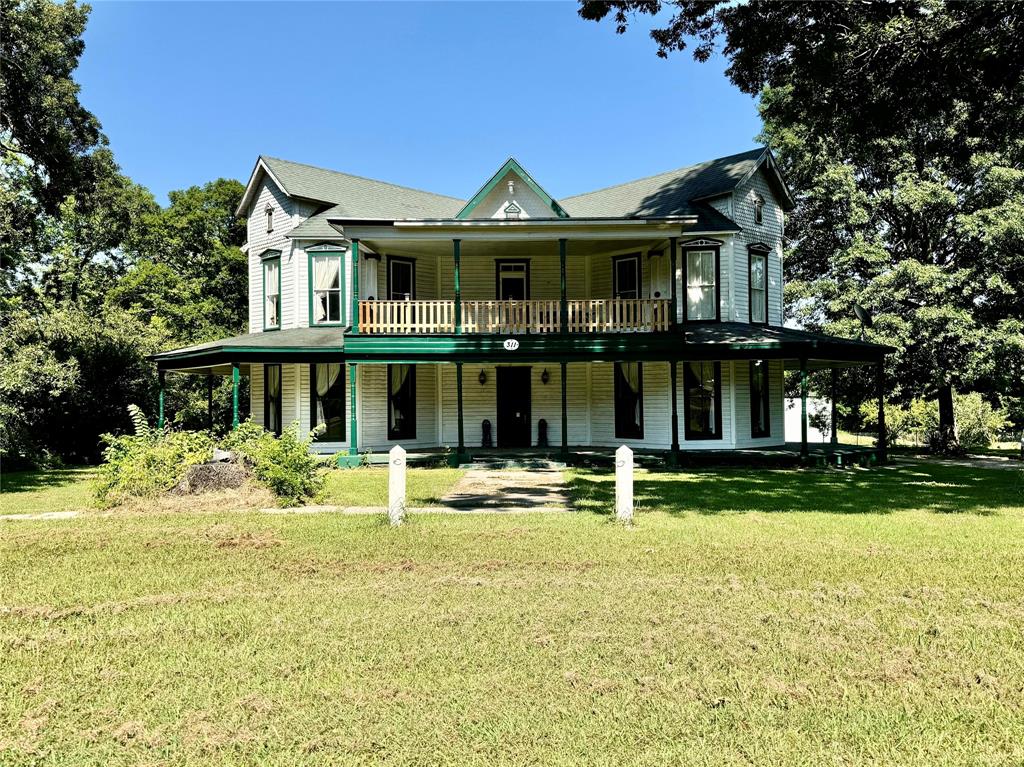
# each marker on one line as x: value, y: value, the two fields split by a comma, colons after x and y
x: 328, y: 273
x: 758, y: 287
x: 272, y: 293
x: 758, y: 209
x: 272, y: 399
x: 629, y: 401
x: 703, y: 388
x: 401, y: 401
x: 327, y: 400
x: 760, y: 419
x: 701, y: 287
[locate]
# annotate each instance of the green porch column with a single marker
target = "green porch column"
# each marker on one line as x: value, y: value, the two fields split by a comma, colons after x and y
x: 353, y: 418
x: 563, y: 307
x: 235, y: 375
x: 458, y: 386
x: 457, y: 253
x: 565, y: 411
x: 160, y: 418
x: 804, y: 453
x: 834, y: 437
x: 673, y: 371
x: 673, y: 301
x: 353, y: 320
x: 209, y: 401
x: 883, y: 450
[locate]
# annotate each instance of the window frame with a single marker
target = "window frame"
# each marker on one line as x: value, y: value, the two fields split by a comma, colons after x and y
x: 327, y: 252
x: 392, y: 434
x: 763, y: 251
x: 702, y: 245
x: 688, y: 433
x: 765, y: 401
x: 498, y: 262
x: 279, y: 426
x: 615, y: 400
x: 266, y: 257
x: 639, y: 273
x: 758, y: 209
x: 387, y: 275
x: 268, y: 212
x: 313, y: 396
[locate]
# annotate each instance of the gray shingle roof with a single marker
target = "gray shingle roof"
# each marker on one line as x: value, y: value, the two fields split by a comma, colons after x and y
x: 313, y: 339
x: 358, y: 197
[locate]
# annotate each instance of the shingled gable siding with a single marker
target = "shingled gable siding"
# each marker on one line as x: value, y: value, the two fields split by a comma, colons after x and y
x: 770, y: 233
x: 285, y: 217
x: 494, y: 204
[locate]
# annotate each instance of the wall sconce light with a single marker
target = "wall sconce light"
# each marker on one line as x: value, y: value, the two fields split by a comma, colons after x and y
x: 545, y: 377
x: 482, y: 378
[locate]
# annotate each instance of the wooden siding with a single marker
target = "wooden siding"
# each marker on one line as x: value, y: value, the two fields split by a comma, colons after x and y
x: 285, y: 217
x: 494, y: 204
x: 770, y: 233
x: 776, y: 394
x: 373, y: 408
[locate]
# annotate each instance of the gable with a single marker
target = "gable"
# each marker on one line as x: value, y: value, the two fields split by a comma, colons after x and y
x: 509, y: 189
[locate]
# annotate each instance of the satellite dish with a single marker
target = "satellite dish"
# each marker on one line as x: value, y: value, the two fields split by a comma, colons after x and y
x: 863, y: 315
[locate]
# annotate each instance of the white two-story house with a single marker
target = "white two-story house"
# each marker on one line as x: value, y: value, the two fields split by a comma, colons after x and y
x: 647, y: 313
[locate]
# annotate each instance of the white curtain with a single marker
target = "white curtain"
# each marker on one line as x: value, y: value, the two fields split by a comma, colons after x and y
x: 326, y: 376
x: 700, y: 284
x: 326, y: 276
x: 271, y: 271
x: 631, y: 374
x: 368, y: 280
x: 399, y: 375
x: 273, y: 384
x: 758, y: 308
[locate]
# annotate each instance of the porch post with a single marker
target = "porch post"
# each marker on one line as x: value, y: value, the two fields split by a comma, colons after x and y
x: 209, y: 401
x: 160, y: 419
x: 883, y: 450
x: 563, y: 307
x: 353, y: 435
x: 457, y: 254
x: 354, y: 318
x: 804, y: 453
x: 672, y: 307
x: 674, y: 373
x: 235, y: 374
x: 834, y: 439
x: 565, y: 411
x: 458, y: 386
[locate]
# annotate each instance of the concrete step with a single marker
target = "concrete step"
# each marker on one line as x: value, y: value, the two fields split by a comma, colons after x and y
x: 498, y: 464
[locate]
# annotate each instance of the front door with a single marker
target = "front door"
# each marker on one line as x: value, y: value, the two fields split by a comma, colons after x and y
x: 514, y: 407
x: 512, y: 280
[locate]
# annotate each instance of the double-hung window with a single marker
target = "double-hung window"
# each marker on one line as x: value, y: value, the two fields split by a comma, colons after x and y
x: 701, y: 285
x: 272, y: 398
x: 327, y: 400
x: 760, y: 418
x: 758, y: 286
x: 401, y: 401
x: 272, y: 290
x: 629, y: 400
x: 327, y: 272
x: 703, y: 390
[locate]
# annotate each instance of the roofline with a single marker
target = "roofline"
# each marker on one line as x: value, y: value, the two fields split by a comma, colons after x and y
x: 250, y: 187
x: 520, y: 223
x: 767, y: 156
x: 511, y: 164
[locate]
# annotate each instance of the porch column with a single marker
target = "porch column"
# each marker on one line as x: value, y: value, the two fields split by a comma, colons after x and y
x: 160, y: 418
x: 209, y: 401
x: 804, y: 453
x: 672, y: 306
x: 458, y: 386
x: 235, y: 375
x: 565, y: 411
x: 674, y: 374
x: 354, y: 318
x: 883, y: 450
x: 457, y: 254
x: 353, y: 418
x: 563, y: 307
x: 834, y: 439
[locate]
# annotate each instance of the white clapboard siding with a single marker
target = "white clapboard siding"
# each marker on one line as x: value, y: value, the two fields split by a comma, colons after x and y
x: 256, y: 380
x: 776, y: 395
x: 260, y: 241
x: 769, y: 232
x: 657, y: 406
x: 373, y: 408
x: 726, y: 440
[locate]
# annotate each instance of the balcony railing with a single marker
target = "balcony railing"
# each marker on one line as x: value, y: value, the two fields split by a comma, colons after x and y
x: 608, y: 315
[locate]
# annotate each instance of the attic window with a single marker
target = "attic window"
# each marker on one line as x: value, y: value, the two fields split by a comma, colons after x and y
x: 270, y: 218
x: 758, y: 209
x: 512, y: 210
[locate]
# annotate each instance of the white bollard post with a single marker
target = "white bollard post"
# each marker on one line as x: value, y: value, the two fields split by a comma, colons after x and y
x: 396, y: 485
x: 624, y: 485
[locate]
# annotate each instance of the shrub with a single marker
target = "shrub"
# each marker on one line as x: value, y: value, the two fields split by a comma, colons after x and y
x: 284, y: 464
x: 977, y: 422
x: 148, y: 462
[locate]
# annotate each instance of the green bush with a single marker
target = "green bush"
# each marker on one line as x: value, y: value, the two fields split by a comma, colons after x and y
x: 284, y: 464
x: 978, y: 423
x: 148, y: 462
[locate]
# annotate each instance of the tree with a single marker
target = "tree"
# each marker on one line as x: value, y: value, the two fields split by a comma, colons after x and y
x: 898, y: 125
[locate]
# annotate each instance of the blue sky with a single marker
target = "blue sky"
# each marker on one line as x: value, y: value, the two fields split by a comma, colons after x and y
x: 430, y: 95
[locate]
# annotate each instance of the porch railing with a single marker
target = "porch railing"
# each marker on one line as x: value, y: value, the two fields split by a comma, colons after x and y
x: 607, y: 315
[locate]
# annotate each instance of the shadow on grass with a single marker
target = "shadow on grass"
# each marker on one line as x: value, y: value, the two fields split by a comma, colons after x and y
x: 940, y: 489
x: 27, y: 481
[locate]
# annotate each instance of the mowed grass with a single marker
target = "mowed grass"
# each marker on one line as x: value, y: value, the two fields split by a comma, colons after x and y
x: 369, y: 486
x: 880, y: 622
x: 36, y: 492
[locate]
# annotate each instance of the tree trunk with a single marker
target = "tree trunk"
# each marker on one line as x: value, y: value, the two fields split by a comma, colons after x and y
x: 948, y: 442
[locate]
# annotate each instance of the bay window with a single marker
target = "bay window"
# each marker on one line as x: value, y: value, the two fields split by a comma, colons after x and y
x: 703, y: 399
x: 327, y: 272
x: 702, y: 285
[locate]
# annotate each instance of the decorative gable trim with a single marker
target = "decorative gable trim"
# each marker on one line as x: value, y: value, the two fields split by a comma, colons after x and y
x: 702, y: 242
x: 759, y: 247
x: 511, y: 165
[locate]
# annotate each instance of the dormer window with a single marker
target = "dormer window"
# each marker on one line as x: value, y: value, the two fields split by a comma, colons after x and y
x: 512, y: 210
x: 270, y: 218
x: 758, y: 209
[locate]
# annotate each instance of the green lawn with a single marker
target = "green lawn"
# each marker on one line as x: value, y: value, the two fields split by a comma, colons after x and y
x: 881, y: 621
x: 369, y: 486
x: 34, y: 492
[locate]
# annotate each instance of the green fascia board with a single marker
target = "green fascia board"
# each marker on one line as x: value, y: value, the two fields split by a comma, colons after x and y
x: 263, y: 278
x: 511, y: 164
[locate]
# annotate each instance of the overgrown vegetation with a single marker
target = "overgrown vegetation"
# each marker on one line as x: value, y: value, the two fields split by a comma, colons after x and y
x: 978, y: 423
x: 284, y: 464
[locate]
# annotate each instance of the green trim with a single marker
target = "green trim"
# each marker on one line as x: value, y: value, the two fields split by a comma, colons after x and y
x: 353, y: 435
x: 457, y: 255
x: 340, y: 255
x: 235, y: 374
x: 565, y: 410
x: 353, y: 317
x: 511, y: 165
x: 263, y: 307
x: 563, y: 305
